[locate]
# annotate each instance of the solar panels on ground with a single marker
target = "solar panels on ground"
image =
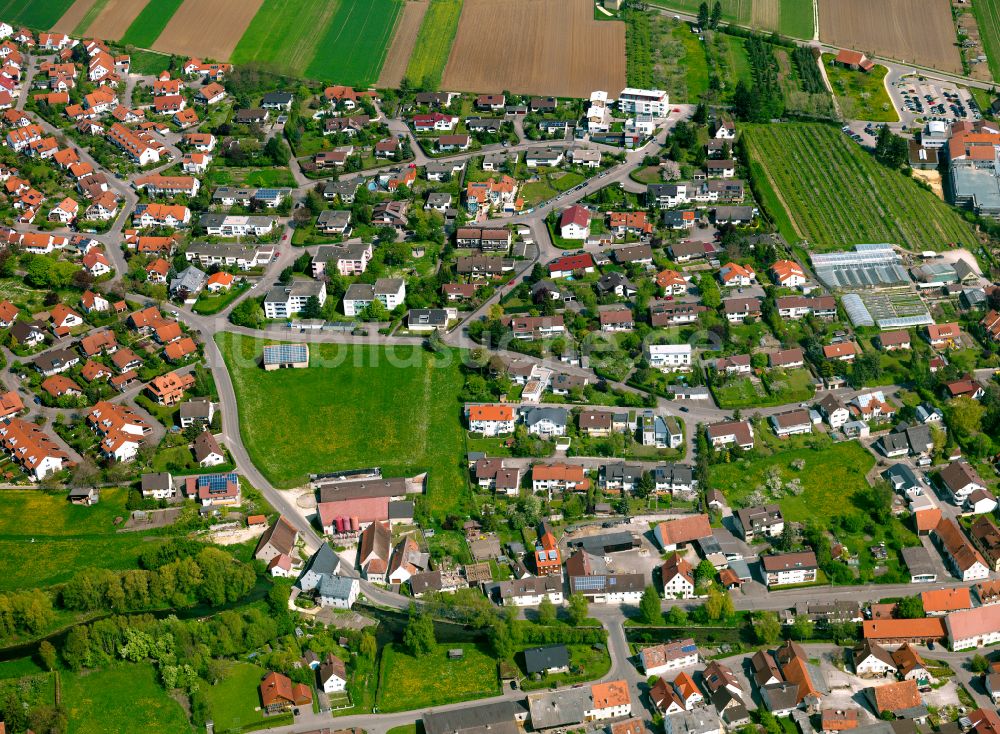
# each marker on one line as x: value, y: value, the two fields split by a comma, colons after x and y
x: 286, y: 353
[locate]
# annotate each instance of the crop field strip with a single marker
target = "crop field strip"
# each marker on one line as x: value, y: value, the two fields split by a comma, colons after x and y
x: 837, y: 196
x: 285, y: 34
x: 74, y: 16
x: 33, y: 13
x: 207, y: 28
x: 988, y: 18
x: 354, y: 45
x: 433, y: 43
x: 536, y: 47
x: 116, y: 17
x: 793, y: 18
x: 914, y: 31
x: 404, y: 38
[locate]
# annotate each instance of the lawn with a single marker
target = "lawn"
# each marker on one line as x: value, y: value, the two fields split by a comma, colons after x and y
x: 407, y: 683
x: 738, y: 392
x: 832, y: 473
x: 695, y: 64
x: 232, y: 702
x: 796, y: 19
x: 818, y: 185
x: 125, y: 698
x: 355, y: 43
x: 861, y: 96
x: 63, y: 537
x: 988, y: 19
x: 430, y: 54
x: 37, y: 14
x: 354, y: 407
x: 150, y: 22
x: 149, y: 63
x: 209, y: 303
x: 260, y: 177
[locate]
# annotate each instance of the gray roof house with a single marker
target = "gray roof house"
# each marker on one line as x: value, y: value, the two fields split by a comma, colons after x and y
x: 546, y: 659
x: 546, y: 421
x: 189, y: 282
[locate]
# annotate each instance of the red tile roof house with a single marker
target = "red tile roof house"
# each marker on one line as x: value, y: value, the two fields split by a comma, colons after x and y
x: 574, y: 223
x: 568, y: 264
x: 943, y: 335
x: 844, y: 352
x: 680, y: 531
x: 854, y: 60
x: 278, y: 693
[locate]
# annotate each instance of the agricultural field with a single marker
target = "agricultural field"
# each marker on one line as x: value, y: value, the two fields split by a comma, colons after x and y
x: 407, y: 683
x: 793, y: 18
x: 353, y: 407
x: 207, y: 28
x: 401, y: 47
x: 353, y: 47
x: 536, y: 47
x: 819, y: 186
x: 343, y: 41
x: 433, y: 43
x: 915, y: 31
x: 861, y: 96
x: 988, y: 19
x: 93, y: 701
x: 147, y: 26
x: 35, y: 13
x: 63, y: 537
x: 77, y: 16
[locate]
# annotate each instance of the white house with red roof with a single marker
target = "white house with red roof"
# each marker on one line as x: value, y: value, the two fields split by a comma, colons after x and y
x: 574, y: 223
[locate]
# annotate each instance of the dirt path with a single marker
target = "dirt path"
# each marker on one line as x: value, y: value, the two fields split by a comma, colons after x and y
x: 404, y: 39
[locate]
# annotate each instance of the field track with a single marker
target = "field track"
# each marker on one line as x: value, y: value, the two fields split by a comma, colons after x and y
x: 915, y: 31
x: 536, y: 47
x: 403, y: 40
x: 73, y: 15
x: 207, y: 28
x: 117, y: 16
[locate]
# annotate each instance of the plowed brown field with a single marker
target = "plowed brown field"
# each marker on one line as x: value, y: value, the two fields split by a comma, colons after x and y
x: 72, y: 17
x: 403, y: 41
x: 915, y: 31
x: 116, y: 17
x: 207, y: 28
x: 536, y: 47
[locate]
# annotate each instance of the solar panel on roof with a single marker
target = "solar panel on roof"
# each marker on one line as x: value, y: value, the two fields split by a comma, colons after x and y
x: 217, y: 482
x: 281, y: 353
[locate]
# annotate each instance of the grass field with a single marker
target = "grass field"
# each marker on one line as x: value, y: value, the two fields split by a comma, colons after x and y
x: 233, y: 700
x: 733, y: 11
x: 430, y: 54
x: 39, y: 14
x: 861, y: 96
x: 63, y: 537
x: 794, y: 386
x: 830, y: 476
x: 835, y: 195
x: 149, y: 62
x: 988, y: 18
x: 120, y: 700
x: 695, y: 63
x: 406, y: 682
x: 285, y: 34
x: 796, y: 19
x: 355, y: 42
x: 395, y: 408
x: 148, y: 25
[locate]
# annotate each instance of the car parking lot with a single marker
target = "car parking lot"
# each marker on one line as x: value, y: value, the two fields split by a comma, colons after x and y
x: 925, y: 100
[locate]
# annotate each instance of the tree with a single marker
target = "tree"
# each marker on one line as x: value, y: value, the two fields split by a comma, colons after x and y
x: 76, y: 649
x: 47, y: 654
x: 910, y: 607
x: 546, y: 611
x: 649, y: 606
x: 677, y: 617
x: 704, y: 573
x: 418, y: 637
x: 703, y: 16
x: 802, y: 627
x: 248, y: 313
x: 767, y: 628
x: 979, y: 664
x: 502, y: 639
x: 576, y: 609
x: 368, y: 647
x: 716, y: 14
x: 719, y: 605
x: 711, y: 296
x: 312, y: 309
x: 965, y: 416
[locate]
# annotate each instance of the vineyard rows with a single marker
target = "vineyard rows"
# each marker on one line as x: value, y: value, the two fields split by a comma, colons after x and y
x: 839, y: 196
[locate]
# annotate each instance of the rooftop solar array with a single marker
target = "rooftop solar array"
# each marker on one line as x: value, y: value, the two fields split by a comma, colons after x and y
x: 217, y: 482
x: 285, y: 353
